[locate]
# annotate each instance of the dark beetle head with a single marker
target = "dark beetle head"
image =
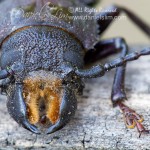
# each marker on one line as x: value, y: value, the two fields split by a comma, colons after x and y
x: 43, y: 91
x: 42, y: 100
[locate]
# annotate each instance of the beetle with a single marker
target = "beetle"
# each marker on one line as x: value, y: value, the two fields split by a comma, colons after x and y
x: 44, y: 51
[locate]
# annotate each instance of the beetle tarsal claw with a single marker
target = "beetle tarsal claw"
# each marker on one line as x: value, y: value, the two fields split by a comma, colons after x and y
x: 130, y: 123
x: 132, y: 119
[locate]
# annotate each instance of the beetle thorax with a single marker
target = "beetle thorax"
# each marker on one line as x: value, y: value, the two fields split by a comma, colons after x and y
x: 41, y: 47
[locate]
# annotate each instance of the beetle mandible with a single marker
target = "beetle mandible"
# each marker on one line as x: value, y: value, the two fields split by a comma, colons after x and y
x: 44, y: 51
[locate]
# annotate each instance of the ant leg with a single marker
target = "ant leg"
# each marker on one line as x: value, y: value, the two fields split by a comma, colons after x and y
x: 106, y: 18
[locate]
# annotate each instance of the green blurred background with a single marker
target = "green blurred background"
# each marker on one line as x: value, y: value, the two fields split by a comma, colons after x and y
x: 125, y: 28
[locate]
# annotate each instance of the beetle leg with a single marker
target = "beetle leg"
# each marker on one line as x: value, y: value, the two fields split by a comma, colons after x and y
x: 104, y: 23
x: 100, y: 70
x: 107, y: 48
x: 132, y: 119
x: 118, y: 93
x: 17, y: 108
x: 67, y: 109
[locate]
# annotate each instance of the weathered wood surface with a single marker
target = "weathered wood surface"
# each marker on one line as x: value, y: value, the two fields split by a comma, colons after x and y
x: 96, y: 124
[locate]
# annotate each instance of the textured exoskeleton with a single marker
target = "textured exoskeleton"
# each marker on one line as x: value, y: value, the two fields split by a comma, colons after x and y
x: 44, y: 49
